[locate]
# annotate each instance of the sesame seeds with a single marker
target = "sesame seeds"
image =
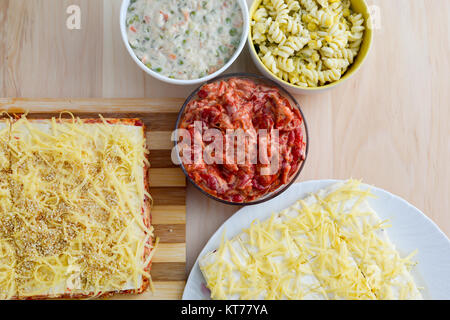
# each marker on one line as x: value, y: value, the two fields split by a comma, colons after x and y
x: 69, y: 204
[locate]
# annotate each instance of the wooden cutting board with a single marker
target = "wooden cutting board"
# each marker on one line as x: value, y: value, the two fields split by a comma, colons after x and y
x: 167, y: 181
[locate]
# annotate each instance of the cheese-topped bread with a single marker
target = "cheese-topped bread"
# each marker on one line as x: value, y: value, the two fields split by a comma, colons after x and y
x: 368, y: 242
x: 7, y: 261
x: 330, y: 245
x: 4, y: 138
x: 80, y: 219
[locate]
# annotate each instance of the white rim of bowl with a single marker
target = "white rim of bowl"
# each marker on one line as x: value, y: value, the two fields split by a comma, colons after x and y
x: 243, y: 41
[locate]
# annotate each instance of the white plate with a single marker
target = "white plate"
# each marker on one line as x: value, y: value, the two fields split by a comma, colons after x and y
x: 410, y: 230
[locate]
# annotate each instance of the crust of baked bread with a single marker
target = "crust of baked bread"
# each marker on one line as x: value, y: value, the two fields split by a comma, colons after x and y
x: 146, y: 215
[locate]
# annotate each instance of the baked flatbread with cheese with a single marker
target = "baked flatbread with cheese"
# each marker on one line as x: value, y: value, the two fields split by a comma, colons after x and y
x: 80, y: 224
x: 4, y: 139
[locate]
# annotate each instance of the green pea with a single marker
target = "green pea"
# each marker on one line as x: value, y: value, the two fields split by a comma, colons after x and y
x: 233, y: 32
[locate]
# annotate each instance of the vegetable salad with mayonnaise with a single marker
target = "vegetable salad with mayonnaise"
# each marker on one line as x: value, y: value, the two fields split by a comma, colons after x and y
x: 184, y: 39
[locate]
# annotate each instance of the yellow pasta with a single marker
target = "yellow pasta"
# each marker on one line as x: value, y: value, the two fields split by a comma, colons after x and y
x: 308, y: 43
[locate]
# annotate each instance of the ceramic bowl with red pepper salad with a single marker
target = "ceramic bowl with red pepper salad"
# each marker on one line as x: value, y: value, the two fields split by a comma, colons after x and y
x: 241, y: 139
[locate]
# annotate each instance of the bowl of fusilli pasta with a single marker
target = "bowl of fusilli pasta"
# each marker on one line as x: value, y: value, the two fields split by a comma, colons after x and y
x: 309, y: 45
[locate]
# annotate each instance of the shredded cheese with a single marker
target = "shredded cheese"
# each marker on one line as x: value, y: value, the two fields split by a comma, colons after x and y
x: 72, y: 208
x: 330, y: 245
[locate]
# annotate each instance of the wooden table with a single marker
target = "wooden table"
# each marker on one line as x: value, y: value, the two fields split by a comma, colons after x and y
x: 388, y: 125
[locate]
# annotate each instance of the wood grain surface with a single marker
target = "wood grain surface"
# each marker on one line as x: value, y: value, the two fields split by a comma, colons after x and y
x: 388, y: 125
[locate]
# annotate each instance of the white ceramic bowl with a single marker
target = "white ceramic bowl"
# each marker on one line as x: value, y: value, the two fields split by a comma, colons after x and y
x: 123, y: 31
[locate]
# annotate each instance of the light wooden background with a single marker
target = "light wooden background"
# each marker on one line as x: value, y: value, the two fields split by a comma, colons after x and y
x: 388, y: 125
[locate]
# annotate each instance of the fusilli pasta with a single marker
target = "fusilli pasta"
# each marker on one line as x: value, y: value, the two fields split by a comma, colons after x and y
x: 307, y: 42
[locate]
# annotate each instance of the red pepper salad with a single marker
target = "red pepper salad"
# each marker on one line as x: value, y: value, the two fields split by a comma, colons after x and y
x: 243, y: 139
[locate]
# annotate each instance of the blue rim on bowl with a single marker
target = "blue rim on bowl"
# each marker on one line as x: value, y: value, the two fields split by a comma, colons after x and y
x: 284, y: 93
x: 243, y: 41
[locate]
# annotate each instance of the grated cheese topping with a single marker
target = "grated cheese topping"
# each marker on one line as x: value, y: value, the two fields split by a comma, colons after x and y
x: 330, y: 245
x: 72, y: 205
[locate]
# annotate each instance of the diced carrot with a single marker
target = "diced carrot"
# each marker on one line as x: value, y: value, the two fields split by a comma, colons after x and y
x: 133, y: 29
x: 165, y: 15
x: 172, y: 56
